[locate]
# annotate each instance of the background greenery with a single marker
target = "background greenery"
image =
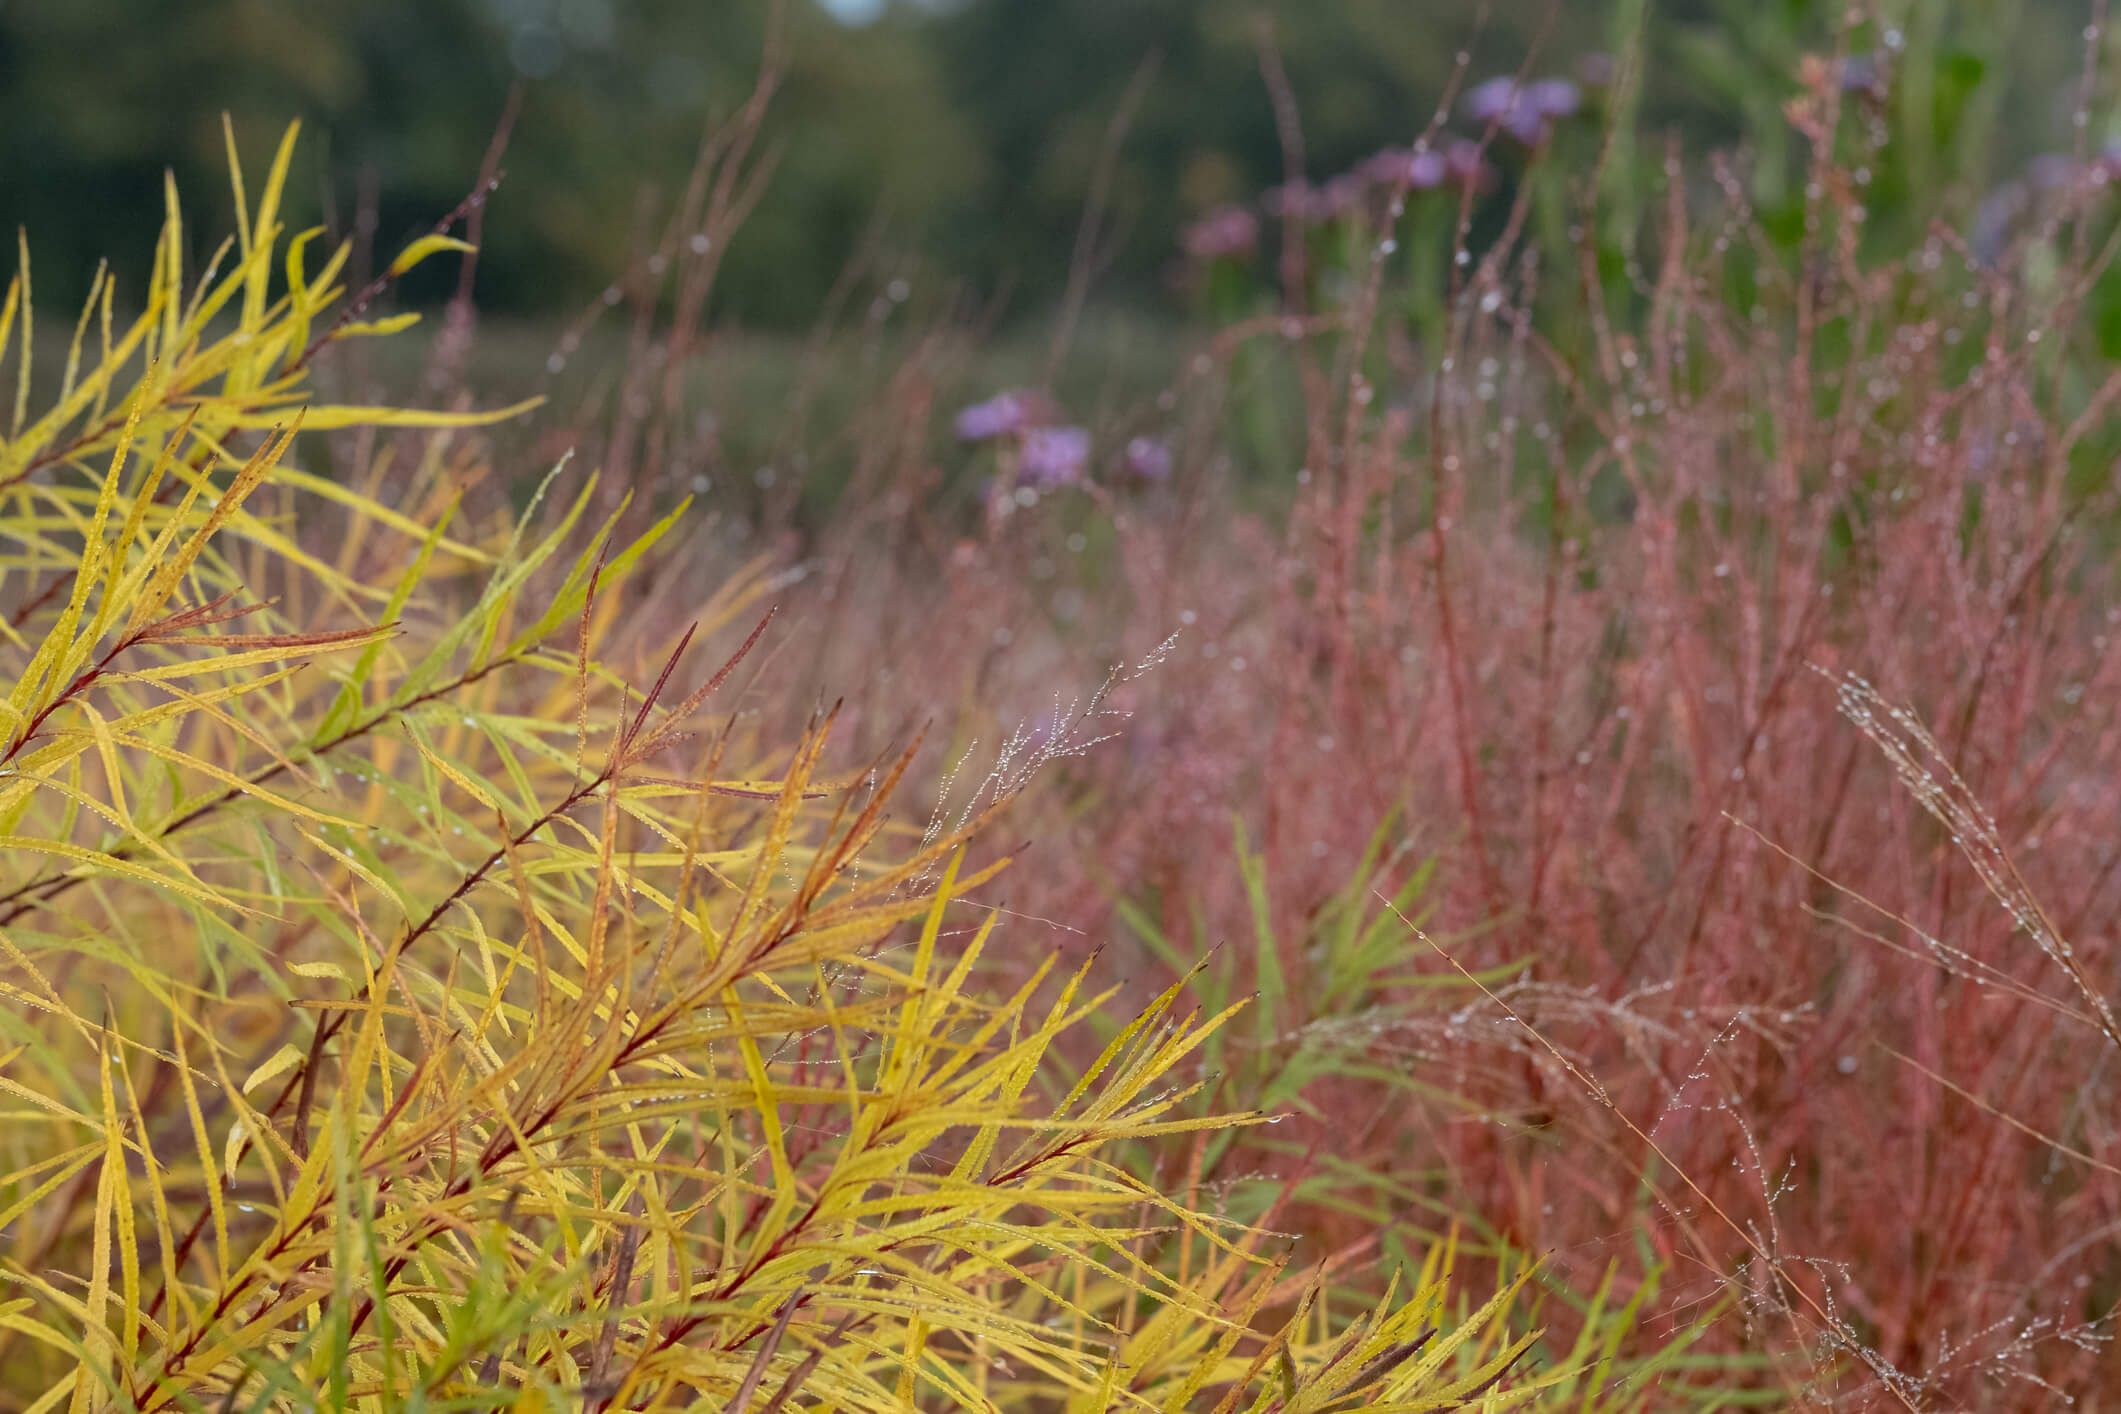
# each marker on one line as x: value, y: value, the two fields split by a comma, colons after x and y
x: 965, y: 133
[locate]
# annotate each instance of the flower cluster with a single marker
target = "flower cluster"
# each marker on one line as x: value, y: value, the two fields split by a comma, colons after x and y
x: 1524, y: 111
x: 1005, y: 415
x: 1457, y: 163
x: 1050, y: 458
x: 1228, y: 230
x: 1043, y: 454
x: 1147, y: 459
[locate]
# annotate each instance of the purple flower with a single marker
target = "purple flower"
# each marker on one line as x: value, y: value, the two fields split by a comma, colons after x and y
x: 1525, y: 112
x: 1863, y: 73
x: 1225, y: 231
x: 1053, y: 457
x: 1553, y: 98
x: 999, y: 416
x: 1528, y: 126
x: 1148, y: 459
x: 1402, y: 167
x: 1491, y: 99
x: 1597, y: 70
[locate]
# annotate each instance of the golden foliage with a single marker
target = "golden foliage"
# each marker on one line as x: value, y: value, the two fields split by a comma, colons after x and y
x: 407, y: 1011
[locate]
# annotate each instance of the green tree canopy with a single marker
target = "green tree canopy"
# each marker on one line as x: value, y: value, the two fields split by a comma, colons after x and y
x: 973, y: 126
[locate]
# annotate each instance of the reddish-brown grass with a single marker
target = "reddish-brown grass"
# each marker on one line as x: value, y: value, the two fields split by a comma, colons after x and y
x: 1575, y: 605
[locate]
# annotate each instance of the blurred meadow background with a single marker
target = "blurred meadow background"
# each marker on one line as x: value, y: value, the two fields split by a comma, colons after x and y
x: 1565, y: 549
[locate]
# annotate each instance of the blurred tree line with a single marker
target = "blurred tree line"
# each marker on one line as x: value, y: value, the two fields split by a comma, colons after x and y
x: 966, y: 132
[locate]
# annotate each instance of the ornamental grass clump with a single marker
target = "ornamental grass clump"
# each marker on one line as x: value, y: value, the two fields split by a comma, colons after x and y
x: 410, y: 1004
